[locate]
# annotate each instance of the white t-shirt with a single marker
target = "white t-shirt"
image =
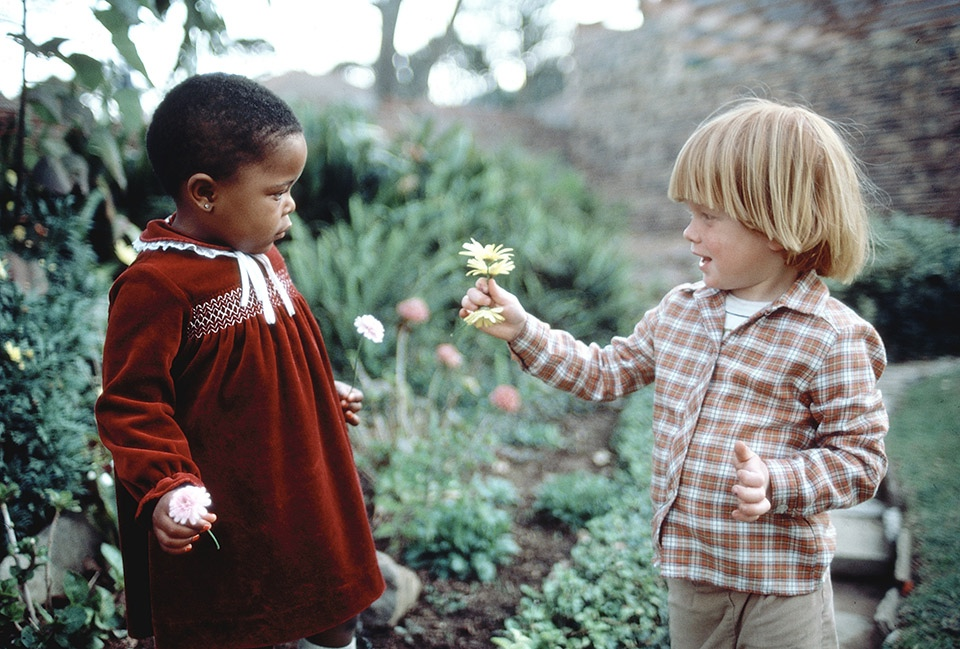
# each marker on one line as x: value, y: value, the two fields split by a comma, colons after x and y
x: 739, y: 311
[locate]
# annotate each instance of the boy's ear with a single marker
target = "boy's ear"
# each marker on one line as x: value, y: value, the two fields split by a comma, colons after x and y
x: 201, y: 191
x: 775, y: 246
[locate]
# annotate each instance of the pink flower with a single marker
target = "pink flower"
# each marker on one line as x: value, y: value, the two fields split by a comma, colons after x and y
x: 189, y: 504
x: 413, y: 310
x: 449, y: 355
x: 370, y: 327
x: 506, y: 398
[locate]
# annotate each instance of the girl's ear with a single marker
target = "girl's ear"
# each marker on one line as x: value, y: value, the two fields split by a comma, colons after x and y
x: 201, y: 191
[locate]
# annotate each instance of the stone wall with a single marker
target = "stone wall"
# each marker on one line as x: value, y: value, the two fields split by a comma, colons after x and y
x: 888, y: 72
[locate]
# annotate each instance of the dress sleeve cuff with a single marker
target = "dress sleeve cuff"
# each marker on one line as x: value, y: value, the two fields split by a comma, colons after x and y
x: 166, y: 485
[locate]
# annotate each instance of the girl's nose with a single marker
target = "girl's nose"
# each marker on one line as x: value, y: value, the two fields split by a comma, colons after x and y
x: 688, y: 232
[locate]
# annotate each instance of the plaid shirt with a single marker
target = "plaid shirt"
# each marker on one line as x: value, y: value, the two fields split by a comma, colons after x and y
x: 796, y: 382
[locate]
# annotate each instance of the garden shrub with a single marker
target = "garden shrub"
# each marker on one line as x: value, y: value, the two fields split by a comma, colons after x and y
x: 910, y: 291
x: 48, y: 383
x: 455, y: 529
x: 575, y: 498
x: 436, y: 509
x: 346, y: 157
x: 923, y: 444
x: 435, y: 192
x: 52, y: 338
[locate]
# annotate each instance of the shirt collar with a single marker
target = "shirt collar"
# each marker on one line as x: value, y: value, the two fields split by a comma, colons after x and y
x: 808, y: 294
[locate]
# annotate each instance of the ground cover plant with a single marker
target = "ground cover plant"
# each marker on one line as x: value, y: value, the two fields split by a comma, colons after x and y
x: 923, y: 445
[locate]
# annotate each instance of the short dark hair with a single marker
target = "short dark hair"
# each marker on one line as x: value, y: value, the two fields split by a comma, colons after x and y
x: 214, y: 124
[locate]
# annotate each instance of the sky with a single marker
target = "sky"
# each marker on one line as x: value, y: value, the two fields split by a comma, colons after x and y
x: 313, y: 36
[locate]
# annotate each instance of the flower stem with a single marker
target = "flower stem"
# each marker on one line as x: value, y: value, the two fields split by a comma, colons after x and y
x: 214, y: 537
x: 356, y: 367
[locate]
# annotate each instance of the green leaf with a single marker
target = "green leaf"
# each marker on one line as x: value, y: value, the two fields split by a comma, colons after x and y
x: 105, y: 146
x: 118, y: 23
x: 89, y: 71
x: 75, y: 587
x: 73, y: 618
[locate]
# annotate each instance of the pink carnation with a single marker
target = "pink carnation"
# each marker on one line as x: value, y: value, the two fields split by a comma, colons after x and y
x: 189, y: 504
x: 413, y: 310
x: 449, y: 355
x: 506, y: 398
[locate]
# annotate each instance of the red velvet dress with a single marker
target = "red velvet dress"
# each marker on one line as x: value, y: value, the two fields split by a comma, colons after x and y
x: 215, y: 373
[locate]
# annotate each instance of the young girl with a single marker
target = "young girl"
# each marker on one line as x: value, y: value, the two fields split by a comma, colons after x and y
x: 766, y: 409
x: 215, y: 375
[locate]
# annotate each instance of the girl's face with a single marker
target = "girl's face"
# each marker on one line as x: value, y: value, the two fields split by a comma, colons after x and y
x: 252, y: 208
x: 736, y: 259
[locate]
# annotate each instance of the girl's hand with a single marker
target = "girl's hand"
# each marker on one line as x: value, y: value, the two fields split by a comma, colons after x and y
x: 351, y: 400
x: 753, y: 485
x: 173, y: 537
x: 488, y: 293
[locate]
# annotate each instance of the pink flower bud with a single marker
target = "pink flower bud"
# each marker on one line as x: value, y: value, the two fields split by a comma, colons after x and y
x: 413, y: 310
x: 506, y: 398
x: 449, y: 355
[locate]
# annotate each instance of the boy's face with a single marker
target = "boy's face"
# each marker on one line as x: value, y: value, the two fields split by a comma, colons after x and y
x: 734, y: 258
x: 252, y: 208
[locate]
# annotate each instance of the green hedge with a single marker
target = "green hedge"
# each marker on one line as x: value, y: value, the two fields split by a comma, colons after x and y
x: 51, y: 348
x: 923, y: 445
x: 911, y: 289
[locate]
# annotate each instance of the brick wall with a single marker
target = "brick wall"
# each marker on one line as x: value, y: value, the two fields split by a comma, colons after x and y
x: 888, y: 71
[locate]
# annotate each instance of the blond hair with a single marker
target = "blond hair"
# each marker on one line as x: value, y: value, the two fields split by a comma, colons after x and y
x: 786, y: 172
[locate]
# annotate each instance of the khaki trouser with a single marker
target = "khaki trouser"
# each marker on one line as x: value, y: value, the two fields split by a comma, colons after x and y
x: 707, y: 617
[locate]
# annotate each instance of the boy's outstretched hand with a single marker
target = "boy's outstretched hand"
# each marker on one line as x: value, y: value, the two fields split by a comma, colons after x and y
x: 753, y: 484
x: 173, y: 537
x: 488, y: 293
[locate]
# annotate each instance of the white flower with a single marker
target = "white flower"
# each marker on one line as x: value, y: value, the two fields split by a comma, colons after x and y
x: 370, y: 327
x: 189, y: 504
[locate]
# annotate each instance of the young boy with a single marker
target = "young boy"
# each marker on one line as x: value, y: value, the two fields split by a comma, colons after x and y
x: 766, y: 409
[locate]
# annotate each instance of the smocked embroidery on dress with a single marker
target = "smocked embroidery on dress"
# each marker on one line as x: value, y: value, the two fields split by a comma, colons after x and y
x: 235, y: 306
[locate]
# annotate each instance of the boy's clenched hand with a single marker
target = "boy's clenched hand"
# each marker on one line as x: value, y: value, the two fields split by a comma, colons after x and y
x: 752, y: 486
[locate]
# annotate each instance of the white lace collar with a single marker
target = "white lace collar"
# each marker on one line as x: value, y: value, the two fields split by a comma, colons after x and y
x: 254, y: 271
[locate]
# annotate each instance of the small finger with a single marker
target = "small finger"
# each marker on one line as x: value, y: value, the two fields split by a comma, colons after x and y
x: 743, y: 518
x: 749, y: 478
x: 749, y: 494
